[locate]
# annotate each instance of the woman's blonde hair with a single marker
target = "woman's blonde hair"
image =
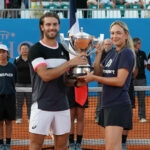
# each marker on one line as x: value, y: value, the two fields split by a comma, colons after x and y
x: 129, y: 42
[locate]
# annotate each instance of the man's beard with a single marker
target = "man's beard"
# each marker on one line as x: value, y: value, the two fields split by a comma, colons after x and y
x: 52, y: 37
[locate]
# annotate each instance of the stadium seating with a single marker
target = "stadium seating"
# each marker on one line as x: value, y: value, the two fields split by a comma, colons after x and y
x: 25, y: 14
x: 146, y: 12
x: 113, y: 13
x: 137, y: 8
x: 98, y: 14
x: 51, y: 6
x: 64, y: 13
x: 147, y: 5
x: 131, y: 14
x: 64, y: 6
x: 122, y: 9
x: 107, y: 6
x: 94, y: 10
x: 79, y: 13
x: 45, y: 3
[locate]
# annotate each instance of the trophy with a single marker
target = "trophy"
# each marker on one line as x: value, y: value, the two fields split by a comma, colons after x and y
x: 80, y: 42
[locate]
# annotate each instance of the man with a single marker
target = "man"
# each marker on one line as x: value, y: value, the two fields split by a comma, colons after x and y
x: 140, y: 79
x: 23, y: 80
x: 82, y: 5
x: 8, y: 77
x: 49, y: 61
x: 36, y: 8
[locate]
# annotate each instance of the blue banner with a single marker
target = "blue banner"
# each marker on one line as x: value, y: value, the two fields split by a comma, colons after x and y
x: 15, y: 31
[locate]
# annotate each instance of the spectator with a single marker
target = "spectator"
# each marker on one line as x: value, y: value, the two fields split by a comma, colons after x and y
x: 90, y: 2
x: 2, y: 6
x: 148, y: 62
x: 7, y: 5
x: 23, y: 80
x: 107, y: 47
x: 115, y: 74
x: 36, y: 6
x: 82, y: 5
x: 147, y: 12
x: 128, y: 3
x: 146, y: 3
x: 140, y: 79
x: 103, y: 3
x: 14, y: 4
x: 26, y: 3
x: 120, y: 2
x: 8, y: 75
x: 49, y: 62
x: 64, y: 5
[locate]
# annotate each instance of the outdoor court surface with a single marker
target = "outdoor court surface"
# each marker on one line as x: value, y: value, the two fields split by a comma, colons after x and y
x: 138, y: 139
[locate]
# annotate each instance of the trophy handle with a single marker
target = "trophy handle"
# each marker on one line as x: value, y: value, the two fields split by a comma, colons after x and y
x: 99, y: 41
x: 62, y: 39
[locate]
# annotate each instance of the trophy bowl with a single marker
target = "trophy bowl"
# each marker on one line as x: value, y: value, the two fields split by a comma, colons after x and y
x: 81, y: 42
x: 80, y: 70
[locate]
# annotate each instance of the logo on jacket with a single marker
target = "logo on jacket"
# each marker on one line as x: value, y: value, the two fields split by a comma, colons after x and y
x: 109, y: 63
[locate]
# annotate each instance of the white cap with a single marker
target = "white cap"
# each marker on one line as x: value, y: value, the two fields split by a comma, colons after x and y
x: 3, y: 47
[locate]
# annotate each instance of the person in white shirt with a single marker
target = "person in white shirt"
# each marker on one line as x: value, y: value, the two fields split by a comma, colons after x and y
x: 128, y: 3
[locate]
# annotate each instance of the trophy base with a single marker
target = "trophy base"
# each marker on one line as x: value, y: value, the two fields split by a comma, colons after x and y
x: 80, y: 70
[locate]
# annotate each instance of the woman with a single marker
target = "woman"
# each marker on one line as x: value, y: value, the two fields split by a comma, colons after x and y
x: 115, y: 73
x: 23, y: 80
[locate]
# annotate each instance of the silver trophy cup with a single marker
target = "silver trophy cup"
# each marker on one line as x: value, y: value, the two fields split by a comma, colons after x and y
x: 80, y: 42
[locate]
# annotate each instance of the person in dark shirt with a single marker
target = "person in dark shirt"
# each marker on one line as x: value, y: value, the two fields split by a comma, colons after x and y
x: 49, y: 63
x: 115, y: 73
x: 140, y: 79
x: 23, y: 80
x: 8, y: 77
x: 82, y: 4
x: 107, y: 47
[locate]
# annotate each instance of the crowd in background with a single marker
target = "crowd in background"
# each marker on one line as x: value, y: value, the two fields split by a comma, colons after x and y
x: 13, y: 6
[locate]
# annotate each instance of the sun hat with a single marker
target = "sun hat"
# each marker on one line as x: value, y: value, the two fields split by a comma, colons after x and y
x: 4, y: 47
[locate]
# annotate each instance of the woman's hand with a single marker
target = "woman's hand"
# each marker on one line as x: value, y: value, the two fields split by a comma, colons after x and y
x: 99, y: 48
x: 86, y: 78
